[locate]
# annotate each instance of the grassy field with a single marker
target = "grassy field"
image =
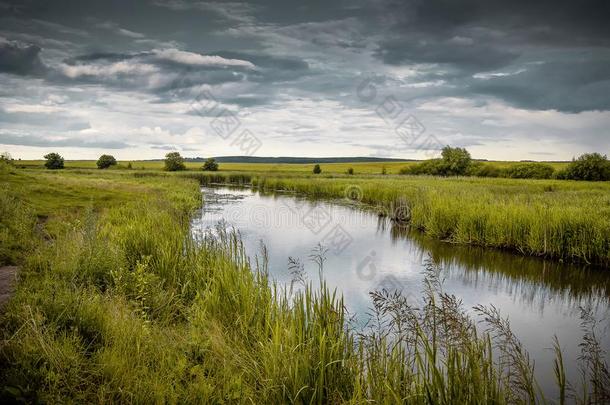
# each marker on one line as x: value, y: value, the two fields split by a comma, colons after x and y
x: 116, y: 303
x: 335, y: 168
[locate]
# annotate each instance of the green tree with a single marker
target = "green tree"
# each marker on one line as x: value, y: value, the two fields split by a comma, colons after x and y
x: 210, y: 165
x: 105, y: 161
x: 174, y: 162
x: 590, y: 167
x: 317, y: 169
x: 6, y: 157
x: 54, y: 161
x: 456, y: 161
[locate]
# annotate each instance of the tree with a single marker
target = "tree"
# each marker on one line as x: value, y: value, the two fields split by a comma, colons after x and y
x: 210, y: 165
x: 174, y: 162
x: 350, y: 170
x: 54, y: 161
x: 105, y: 161
x: 456, y: 161
x: 6, y: 157
x: 6, y: 163
x: 590, y: 166
x: 317, y: 169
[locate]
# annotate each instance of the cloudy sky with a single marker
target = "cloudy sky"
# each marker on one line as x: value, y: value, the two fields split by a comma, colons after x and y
x: 508, y: 80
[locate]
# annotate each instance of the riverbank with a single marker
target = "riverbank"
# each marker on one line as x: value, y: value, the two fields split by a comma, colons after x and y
x: 116, y: 303
x: 562, y: 220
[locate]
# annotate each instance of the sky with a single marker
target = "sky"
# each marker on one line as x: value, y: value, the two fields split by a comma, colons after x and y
x: 508, y: 80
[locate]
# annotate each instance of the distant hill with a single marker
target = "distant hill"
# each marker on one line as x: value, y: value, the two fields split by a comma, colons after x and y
x: 298, y: 160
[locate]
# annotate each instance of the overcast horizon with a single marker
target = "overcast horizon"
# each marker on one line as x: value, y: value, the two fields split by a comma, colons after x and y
x: 516, y: 80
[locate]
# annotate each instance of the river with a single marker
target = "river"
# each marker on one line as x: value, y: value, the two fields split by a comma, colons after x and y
x: 364, y: 252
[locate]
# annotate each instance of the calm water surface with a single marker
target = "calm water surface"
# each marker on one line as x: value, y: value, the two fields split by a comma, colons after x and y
x: 540, y: 298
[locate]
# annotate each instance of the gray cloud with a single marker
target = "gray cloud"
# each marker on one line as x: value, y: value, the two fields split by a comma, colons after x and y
x: 574, y: 85
x: 482, y: 70
x: 20, y: 59
x: 30, y: 140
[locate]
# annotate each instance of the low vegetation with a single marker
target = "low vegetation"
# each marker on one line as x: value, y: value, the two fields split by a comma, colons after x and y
x: 457, y: 162
x: 361, y: 168
x: 117, y: 302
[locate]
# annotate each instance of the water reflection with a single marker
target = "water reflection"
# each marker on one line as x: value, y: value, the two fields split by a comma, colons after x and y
x: 536, y: 280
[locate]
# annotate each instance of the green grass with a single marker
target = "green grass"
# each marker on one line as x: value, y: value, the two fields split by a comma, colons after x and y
x: 116, y: 303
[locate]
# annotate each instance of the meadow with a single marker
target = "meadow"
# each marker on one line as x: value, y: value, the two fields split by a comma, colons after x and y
x: 116, y: 302
x: 334, y: 168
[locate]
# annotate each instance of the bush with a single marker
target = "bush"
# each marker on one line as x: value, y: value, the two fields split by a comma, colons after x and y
x: 530, y: 171
x: 174, y: 162
x: 350, y: 171
x: 317, y: 169
x: 105, y: 161
x: 433, y: 167
x: 590, y: 167
x: 54, y: 161
x: 485, y: 170
x: 454, y: 162
x: 210, y: 165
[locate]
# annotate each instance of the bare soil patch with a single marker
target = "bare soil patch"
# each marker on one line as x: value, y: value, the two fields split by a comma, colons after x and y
x: 8, y: 276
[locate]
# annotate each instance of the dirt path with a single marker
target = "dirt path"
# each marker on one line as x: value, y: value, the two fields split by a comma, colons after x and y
x: 7, y: 283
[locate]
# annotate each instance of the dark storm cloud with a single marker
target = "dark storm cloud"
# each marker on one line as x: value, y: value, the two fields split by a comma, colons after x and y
x: 461, y: 39
x: 271, y: 68
x: 171, y: 73
x: 480, y: 35
x: 569, y: 85
x: 552, y: 22
x: 20, y: 59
